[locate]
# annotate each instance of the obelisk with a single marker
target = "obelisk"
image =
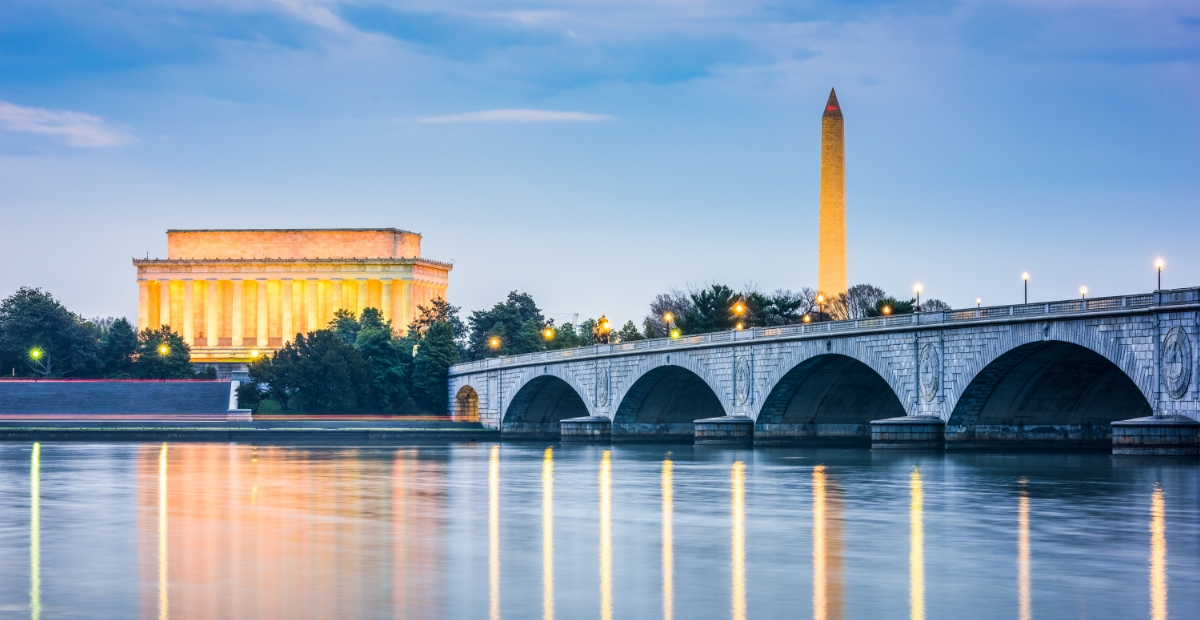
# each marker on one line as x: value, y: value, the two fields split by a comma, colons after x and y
x: 831, y: 247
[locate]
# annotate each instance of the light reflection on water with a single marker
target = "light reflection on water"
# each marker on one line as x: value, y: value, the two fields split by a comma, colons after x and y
x: 227, y: 531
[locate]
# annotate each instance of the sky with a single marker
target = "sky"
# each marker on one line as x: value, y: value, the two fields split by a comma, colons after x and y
x: 595, y: 154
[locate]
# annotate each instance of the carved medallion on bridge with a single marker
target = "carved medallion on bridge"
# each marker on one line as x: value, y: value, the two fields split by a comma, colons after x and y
x: 931, y: 372
x: 1177, y: 362
x: 743, y: 381
x: 601, y: 386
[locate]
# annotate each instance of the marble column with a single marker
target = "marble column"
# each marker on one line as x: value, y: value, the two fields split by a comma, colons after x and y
x: 164, y: 303
x: 189, y: 311
x: 285, y: 300
x: 337, y: 295
x: 239, y: 326
x: 212, y: 314
x: 310, y: 307
x: 361, y: 298
x: 385, y: 299
x: 260, y: 317
x: 406, y: 296
x: 143, y: 305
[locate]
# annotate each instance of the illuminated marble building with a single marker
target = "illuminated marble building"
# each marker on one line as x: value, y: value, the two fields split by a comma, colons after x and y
x: 831, y: 265
x: 235, y: 294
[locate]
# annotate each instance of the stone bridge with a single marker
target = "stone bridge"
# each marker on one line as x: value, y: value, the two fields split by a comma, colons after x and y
x: 1032, y: 374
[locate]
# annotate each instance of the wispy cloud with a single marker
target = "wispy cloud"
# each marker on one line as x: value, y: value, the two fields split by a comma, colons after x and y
x: 75, y: 128
x: 519, y: 116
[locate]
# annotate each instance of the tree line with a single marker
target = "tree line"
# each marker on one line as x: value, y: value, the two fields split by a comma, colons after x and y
x: 40, y: 338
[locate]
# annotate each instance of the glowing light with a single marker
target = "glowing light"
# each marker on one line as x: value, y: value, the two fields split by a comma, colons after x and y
x: 606, y: 536
x: 1159, y: 263
x: 668, y: 539
x: 1025, y: 276
x: 35, y: 532
x: 1158, y: 555
x: 978, y: 301
x: 494, y: 342
x: 494, y: 533
x: 668, y: 317
x: 917, y: 287
x: 675, y: 333
x: 819, y: 601
x: 35, y: 353
x: 820, y: 299
x: 548, y: 534
x: 1083, y: 291
x: 164, y: 605
x: 740, y: 326
x: 163, y: 349
x: 916, y: 554
x: 1025, y: 611
x: 254, y: 353
x: 887, y: 309
x: 738, y: 492
x: 548, y: 333
x: 739, y: 308
x: 807, y: 319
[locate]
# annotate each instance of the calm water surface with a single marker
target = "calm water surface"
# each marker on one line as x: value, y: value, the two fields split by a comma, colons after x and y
x: 550, y: 531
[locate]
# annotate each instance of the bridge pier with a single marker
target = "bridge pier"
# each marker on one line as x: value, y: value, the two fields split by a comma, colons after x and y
x: 591, y: 428
x: 913, y: 432
x: 1156, y: 435
x: 724, y: 430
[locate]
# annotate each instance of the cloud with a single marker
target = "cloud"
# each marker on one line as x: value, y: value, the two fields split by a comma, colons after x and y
x: 75, y: 128
x: 519, y: 116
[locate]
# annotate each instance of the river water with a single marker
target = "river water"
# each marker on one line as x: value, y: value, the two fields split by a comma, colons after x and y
x: 525, y: 530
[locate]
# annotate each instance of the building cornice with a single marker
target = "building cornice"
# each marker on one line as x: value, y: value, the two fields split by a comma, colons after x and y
x: 226, y: 262
x: 290, y: 230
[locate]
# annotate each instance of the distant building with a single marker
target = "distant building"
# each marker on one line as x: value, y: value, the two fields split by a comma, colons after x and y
x: 831, y: 265
x: 236, y: 294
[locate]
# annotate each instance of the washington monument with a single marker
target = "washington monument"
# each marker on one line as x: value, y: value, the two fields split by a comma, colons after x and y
x: 831, y: 269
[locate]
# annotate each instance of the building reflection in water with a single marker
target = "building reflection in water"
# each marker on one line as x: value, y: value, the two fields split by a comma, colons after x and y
x: 668, y: 539
x: 738, y: 488
x: 324, y: 531
x: 916, y: 554
x: 827, y: 549
x: 1158, y: 555
x: 606, y: 536
x: 35, y: 532
x: 1025, y: 609
x: 548, y: 534
x: 494, y: 533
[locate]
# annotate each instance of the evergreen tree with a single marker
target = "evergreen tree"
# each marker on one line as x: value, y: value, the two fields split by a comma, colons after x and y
x: 38, y: 336
x: 711, y: 311
x: 517, y: 322
x: 431, y: 368
x: 119, y: 349
x: 628, y: 333
x: 345, y: 326
x: 318, y: 373
x: 162, y: 354
x: 391, y: 363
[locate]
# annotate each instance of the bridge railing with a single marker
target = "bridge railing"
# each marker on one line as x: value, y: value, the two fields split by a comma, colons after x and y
x: 1017, y: 311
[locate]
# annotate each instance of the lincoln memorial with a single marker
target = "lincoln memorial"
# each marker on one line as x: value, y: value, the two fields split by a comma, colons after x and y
x: 236, y: 294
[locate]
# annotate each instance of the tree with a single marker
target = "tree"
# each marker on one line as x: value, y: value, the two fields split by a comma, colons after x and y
x: 38, y: 336
x: 438, y: 311
x: 711, y: 311
x: 565, y: 337
x: 436, y: 355
x: 585, y: 332
x: 345, y: 326
x: 860, y: 298
x: 317, y: 373
x: 517, y: 322
x: 675, y: 302
x: 628, y: 333
x: 162, y: 354
x: 895, y: 306
x: 934, y: 305
x: 119, y: 349
x: 390, y: 360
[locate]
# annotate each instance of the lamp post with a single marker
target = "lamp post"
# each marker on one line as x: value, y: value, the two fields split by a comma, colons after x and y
x: 739, y: 309
x: 978, y: 302
x: 1025, y: 277
x: 820, y: 307
x: 917, y: 288
x: 1083, y: 292
x: 1159, y: 263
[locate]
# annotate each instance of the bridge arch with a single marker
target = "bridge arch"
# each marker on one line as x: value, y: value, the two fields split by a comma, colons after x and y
x: 1045, y: 391
x: 540, y: 402
x: 663, y: 402
x: 828, y: 397
x: 466, y: 404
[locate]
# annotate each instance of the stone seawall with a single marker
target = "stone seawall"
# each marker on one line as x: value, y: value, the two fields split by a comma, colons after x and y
x: 92, y: 397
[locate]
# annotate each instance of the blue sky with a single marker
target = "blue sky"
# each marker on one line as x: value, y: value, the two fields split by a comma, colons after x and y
x: 595, y: 154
